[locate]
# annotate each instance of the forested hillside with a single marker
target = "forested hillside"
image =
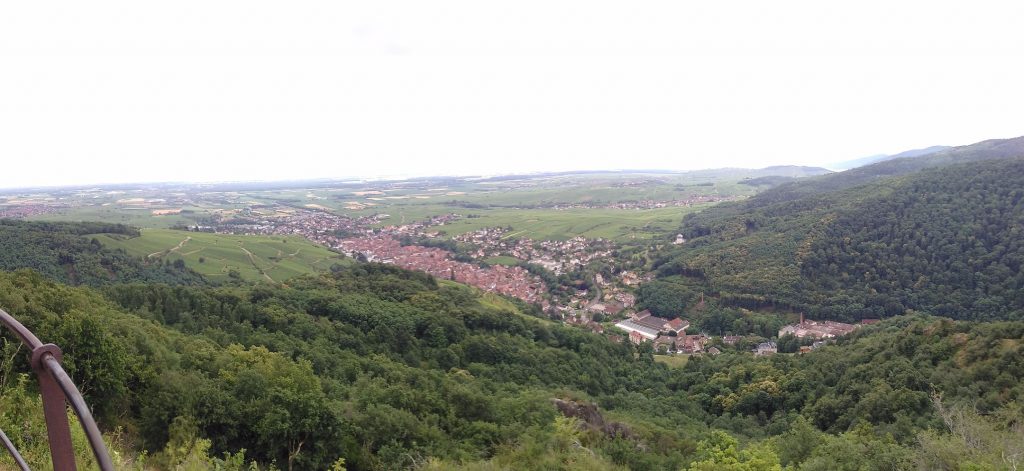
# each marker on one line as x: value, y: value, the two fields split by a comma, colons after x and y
x: 947, y: 242
x: 61, y: 251
x: 944, y: 240
x: 388, y: 369
x: 377, y: 365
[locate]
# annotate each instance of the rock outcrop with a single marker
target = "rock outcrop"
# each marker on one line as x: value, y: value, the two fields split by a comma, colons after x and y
x: 591, y: 417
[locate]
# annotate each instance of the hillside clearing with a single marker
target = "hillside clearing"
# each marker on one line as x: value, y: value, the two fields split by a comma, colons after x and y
x: 254, y: 258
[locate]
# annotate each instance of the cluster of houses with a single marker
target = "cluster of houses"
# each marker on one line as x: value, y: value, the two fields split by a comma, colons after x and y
x: 820, y: 329
x: 511, y: 281
x: 668, y: 336
x: 769, y: 348
x: 15, y: 212
x: 321, y: 227
x: 644, y: 325
x: 766, y: 348
x: 421, y: 227
x: 557, y: 256
x: 614, y: 299
x: 635, y: 278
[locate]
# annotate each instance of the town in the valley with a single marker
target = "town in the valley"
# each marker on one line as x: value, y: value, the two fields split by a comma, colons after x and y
x: 556, y: 277
x: 607, y: 306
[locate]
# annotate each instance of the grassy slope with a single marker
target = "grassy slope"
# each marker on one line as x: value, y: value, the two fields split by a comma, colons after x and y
x: 496, y: 302
x: 276, y: 258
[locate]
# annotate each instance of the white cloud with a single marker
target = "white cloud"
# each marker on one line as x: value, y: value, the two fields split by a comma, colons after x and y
x: 130, y: 91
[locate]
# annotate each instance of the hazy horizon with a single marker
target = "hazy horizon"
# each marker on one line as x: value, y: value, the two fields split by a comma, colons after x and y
x: 384, y: 178
x: 400, y: 177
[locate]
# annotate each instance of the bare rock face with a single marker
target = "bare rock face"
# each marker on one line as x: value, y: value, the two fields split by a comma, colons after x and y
x: 589, y: 415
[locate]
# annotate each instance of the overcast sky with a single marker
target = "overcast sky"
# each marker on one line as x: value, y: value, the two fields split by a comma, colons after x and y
x: 212, y: 90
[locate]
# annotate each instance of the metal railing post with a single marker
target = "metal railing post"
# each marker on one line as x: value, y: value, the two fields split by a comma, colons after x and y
x: 58, y: 430
x: 58, y: 391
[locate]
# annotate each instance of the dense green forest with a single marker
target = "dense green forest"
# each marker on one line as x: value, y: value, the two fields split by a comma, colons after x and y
x: 944, y: 240
x: 390, y: 369
x: 949, y: 242
x: 63, y: 252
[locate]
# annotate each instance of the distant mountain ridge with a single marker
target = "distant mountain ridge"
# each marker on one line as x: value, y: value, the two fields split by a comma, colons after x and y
x: 985, y: 150
x: 873, y: 159
x: 793, y: 171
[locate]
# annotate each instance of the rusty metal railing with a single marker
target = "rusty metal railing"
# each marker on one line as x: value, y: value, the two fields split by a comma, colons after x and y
x: 58, y: 392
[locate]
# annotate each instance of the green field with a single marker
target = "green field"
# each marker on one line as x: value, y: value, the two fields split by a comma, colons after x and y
x: 673, y: 361
x: 502, y: 260
x: 549, y: 224
x: 255, y: 258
